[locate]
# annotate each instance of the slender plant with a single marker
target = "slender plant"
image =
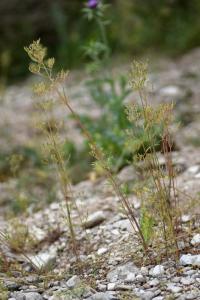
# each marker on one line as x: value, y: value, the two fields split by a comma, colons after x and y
x: 43, y: 66
x: 159, y: 196
x: 53, y: 145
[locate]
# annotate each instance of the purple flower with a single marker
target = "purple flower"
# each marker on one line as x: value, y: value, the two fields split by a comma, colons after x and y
x: 92, y: 3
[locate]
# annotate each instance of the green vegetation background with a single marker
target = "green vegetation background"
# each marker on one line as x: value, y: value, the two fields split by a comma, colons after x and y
x: 172, y: 26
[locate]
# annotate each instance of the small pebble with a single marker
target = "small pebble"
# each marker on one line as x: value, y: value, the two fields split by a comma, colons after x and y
x: 157, y: 271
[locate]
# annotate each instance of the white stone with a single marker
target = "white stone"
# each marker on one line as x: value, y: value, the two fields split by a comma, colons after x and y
x: 94, y: 219
x: 121, y: 272
x: 191, y: 295
x: 146, y: 295
x: 102, y: 287
x: 43, y: 260
x: 196, y: 240
x: 181, y: 245
x: 37, y: 233
x: 157, y: 271
x: 140, y: 278
x: 73, y: 281
x: 144, y: 271
x: 130, y: 277
x: 171, y: 91
x: 194, y: 169
x: 185, y: 218
x: 27, y: 296
x: 189, y: 259
x: 55, y: 206
x: 111, y: 286
x: 135, y: 201
x: 186, y: 259
x: 115, y: 232
x: 127, y: 174
x: 173, y: 288
x: 102, y: 251
x: 187, y: 281
x: 100, y: 296
x: 154, y: 282
x: 124, y: 225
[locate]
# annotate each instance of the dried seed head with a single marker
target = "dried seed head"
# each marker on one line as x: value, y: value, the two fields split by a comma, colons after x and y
x: 138, y: 75
x: 36, y: 51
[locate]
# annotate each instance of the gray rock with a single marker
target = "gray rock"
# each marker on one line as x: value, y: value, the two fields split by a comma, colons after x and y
x: 197, y: 175
x: 181, y: 245
x: 73, y: 282
x: 147, y: 295
x: 172, y: 93
x: 11, y: 285
x: 174, y: 288
x: 187, y: 296
x: 157, y: 271
x: 124, y: 225
x: 189, y: 259
x: 123, y: 287
x: 154, y: 282
x: 175, y: 279
x: 140, y: 278
x: 122, y: 272
x: 127, y: 174
x: 101, y: 287
x: 186, y: 218
x: 144, y: 271
x: 27, y: 296
x: 37, y: 233
x: 111, y: 286
x: 33, y: 279
x: 196, y: 240
x: 187, y: 281
x: 193, y: 169
x: 33, y: 296
x: 94, y: 219
x: 101, y: 296
x: 102, y: 251
x: 192, y: 295
x: 170, y: 90
x: 130, y: 278
x: 43, y: 260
